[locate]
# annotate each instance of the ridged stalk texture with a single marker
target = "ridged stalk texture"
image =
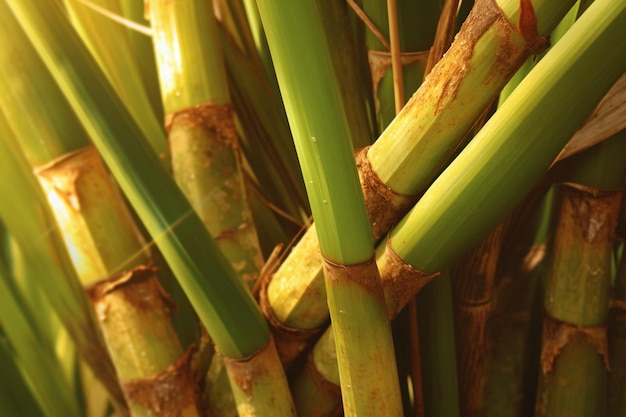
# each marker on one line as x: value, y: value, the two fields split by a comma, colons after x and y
x: 414, y: 147
x: 487, y: 179
x: 574, y: 344
x: 322, y: 135
x: 102, y: 240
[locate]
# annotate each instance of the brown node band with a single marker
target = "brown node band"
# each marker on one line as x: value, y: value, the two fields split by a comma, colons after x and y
x: 384, y: 206
x: 138, y: 275
x: 401, y: 281
x: 558, y: 334
x: 218, y: 117
x: 162, y: 393
x: 290, y: 341
x: 80, y: 157
x: 364, y: 274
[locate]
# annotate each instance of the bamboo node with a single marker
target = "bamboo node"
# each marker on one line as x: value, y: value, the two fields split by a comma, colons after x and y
x: 364, y: 274
x: 290, y: 341
x: 127, y: 280
x: 558, y: 334
x: 168, y: 393
x: 245, y: 371
x: 216, y: 117
x: 59, y: 176
x: 384, y: 206
x: 401, y: 281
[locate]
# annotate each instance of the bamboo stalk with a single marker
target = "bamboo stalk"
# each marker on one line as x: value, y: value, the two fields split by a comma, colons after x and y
x: 424, y: 136
x: 322, y: 135
x: 50, y: 262
x: 574, y: 345
x: 110, y: 43
x: 439, y: 368
x: 206, y: 159
x: 514, y: 328
x: 427, y: 239
x: 104, y: 244
x: 222, y: 302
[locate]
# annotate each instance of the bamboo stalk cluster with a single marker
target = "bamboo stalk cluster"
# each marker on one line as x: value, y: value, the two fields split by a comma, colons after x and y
x: 272, y: 112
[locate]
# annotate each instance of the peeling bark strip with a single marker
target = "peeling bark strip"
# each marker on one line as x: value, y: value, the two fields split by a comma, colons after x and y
x: 218, y: 117
x: 557, y: 335
x: 290, y: 341
x: 400, y: 280
x: 486, y: 15
x: 384, y: 206
x: 126, y: 282
x: 170, y: 393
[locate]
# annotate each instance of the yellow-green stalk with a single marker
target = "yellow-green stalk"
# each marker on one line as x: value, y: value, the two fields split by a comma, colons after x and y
x: 416, y: 24
x: 110, y: 43
x: 496, y: 170
x: 38, y: 233
x: 415, y: 146
x: 206, y: 160
x: 105, y: 246
x: 574, y: 343
x: 221, y: 300
x: 318, y: 121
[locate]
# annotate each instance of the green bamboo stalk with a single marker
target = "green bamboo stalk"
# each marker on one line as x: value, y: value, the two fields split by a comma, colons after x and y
x: 225, y: 307
x: 548, y: 86
x: 437, y: 346
x: 50, y: 262
x: 206, y: 159
x: 417, y: 23
x: 111, y: 45
x: 102, y: 240
x: 443, y: 224
x: 322, y: 135
x: 423, y: 135
x: 352, y: 77
x: 574, y: 345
